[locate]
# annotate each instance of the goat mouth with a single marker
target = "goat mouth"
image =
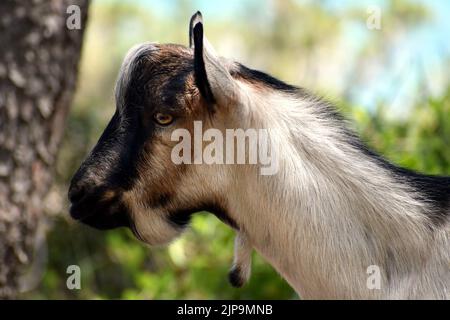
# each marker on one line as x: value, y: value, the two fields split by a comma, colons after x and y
x: 102, y: 215
x: 106, y: 221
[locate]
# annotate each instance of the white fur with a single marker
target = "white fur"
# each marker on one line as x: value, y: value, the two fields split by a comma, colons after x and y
x: 331, y: 211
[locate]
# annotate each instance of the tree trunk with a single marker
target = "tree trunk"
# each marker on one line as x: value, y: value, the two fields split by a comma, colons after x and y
x: 39, y: 56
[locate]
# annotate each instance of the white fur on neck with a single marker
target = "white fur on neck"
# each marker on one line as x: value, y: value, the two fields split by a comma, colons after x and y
x: 331, y: 211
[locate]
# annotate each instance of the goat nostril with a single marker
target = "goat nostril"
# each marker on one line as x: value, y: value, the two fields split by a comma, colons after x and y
x: 76, y: 194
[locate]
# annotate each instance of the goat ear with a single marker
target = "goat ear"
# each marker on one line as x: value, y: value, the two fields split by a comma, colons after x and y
x: 211, y: 75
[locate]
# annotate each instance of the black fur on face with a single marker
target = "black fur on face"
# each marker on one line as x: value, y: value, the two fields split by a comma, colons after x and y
x: 94, y: 190
x: 152, y: 79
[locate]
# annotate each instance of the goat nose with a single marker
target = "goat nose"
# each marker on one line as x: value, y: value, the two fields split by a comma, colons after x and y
x: 76, y: 193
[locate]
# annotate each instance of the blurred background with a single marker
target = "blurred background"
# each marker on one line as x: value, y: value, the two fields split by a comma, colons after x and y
x: 392, y: 81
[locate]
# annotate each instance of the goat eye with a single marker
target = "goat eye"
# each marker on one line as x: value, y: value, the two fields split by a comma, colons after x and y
x: 163, y: 119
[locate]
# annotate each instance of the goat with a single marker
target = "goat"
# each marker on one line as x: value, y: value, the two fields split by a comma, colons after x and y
x: 333, y: 209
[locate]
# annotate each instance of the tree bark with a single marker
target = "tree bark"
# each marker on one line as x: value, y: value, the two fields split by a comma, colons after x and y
x: 39, y: 58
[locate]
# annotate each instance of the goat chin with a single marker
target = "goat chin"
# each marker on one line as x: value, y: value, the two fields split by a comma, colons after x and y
x: 154, y: 231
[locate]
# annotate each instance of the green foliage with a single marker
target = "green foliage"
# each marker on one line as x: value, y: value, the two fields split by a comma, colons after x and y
x: 421, y: 141
x: 115, y: 265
